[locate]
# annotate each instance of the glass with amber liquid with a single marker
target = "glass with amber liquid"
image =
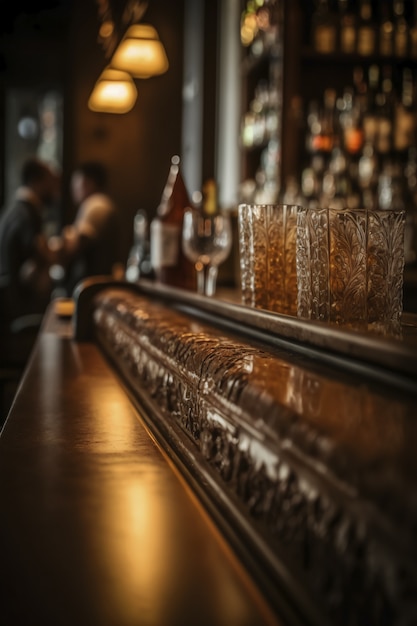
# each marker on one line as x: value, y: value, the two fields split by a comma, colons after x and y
x: 267, y: 249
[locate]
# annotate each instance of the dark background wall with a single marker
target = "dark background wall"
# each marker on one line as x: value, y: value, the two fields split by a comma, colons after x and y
x: 54, y: 43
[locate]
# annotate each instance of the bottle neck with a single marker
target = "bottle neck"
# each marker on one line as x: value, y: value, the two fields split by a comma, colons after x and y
x: 210, y: 198
x: 174, y: 197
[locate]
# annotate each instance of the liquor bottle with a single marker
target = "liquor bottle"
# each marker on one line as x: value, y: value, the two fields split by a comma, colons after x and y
x: 328, y: 121
x: 321, y: 122
x: 347, y: 27
x: 136, y: 265
x: 366, y: 29
x: 400, y: 29
x: 390, y: 188
x: 386, y: 30
x: 341, y: 189
x: 209, y: 200
x: 324, y: 28
x: 360, y: 88
x: 354, y: 195
x: 385, y: 111
x: 413, y: 33
x: 168, y: 261
x: 313, y: 132
x: 368, y: 171
x: 310, y: 185
x: 291, y: 192
x: 370, y: 115
x: 404, y: 129
x: 351, y: 122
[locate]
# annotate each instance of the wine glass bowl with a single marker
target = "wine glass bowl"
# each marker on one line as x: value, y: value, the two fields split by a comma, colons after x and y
x: 206, y: 241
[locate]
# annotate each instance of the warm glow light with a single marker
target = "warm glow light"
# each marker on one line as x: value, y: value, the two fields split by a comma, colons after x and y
x: 106, y: 29
x: 249, y: 29
x: 140, y: 52
x: 114, y: 92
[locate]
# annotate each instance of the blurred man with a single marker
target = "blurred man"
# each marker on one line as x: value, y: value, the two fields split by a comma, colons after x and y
x: 89, y: 246
x: 25, y: 258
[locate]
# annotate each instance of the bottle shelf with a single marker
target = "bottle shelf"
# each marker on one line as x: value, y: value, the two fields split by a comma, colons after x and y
x: 261, y: 110
x: 309, y: 55
x: 362, y: 165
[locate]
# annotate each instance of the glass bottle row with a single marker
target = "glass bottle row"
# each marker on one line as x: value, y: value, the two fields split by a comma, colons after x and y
x: 365, y: 27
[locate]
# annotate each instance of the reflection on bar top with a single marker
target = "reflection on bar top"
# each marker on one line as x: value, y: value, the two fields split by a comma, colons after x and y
x: 64, y: 307
x: 399, y: 356
x: 270, y: 388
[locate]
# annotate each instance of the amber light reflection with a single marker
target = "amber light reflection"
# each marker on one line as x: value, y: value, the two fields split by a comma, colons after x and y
x: 364, y: 418
x: 137, y: 527
x: 135, y: 543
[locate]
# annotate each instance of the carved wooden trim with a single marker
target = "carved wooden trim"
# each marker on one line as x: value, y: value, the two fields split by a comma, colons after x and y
x: 326, y: 513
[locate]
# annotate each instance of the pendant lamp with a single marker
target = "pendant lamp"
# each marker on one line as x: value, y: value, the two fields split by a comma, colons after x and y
x: 140, y: 52
x: 114, y: 92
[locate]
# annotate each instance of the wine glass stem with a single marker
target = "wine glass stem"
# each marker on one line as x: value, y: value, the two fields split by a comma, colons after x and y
x: 206, y: 279
x: 201, y: 277
x: 211, y: 278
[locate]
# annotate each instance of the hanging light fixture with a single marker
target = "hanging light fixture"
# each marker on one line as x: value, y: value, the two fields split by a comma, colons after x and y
x: 114, y: 92
x: 140, y: 52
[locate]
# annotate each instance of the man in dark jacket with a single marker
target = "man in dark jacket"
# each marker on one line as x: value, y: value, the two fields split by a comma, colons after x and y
x: 24, y: 255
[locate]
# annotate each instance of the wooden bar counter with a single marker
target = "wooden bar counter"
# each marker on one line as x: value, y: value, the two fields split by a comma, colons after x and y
x: 164, y: 464
x: 97, y: 527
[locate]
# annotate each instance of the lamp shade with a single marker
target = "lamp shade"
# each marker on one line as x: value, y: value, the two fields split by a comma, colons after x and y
x: 114, y: 92
x: 140, y: 52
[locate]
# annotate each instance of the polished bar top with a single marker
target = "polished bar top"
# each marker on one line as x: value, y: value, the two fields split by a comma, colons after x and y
x: 314, y: 464
x: 97, y: 527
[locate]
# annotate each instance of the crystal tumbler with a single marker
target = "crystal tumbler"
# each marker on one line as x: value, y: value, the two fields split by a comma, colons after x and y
x: 350, y: 265
x: 267, y: 249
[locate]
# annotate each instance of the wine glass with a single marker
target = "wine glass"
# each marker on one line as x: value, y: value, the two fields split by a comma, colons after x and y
x: 206, y: 241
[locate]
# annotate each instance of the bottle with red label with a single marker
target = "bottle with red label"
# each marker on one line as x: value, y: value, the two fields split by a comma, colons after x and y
x: 170, y: 265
